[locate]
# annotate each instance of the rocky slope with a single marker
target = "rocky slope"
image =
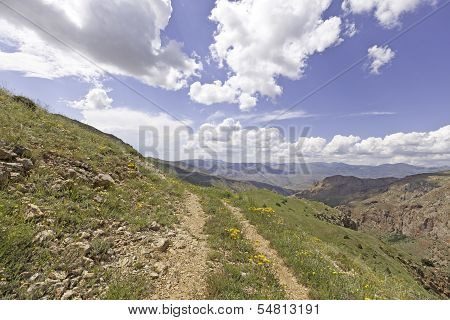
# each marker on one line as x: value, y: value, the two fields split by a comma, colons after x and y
x: 410, y: 214
x: 82, y: 215
x: 337, y: 190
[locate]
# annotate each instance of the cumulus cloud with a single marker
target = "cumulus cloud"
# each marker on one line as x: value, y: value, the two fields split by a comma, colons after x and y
x: 230, y: 141
x: 387, y: 12
x: 125, y: 41
x: 257, y: 42
x: 96, y: 99
x: 379, y: 56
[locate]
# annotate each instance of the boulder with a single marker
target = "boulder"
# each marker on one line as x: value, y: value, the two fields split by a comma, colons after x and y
x: 33, y: 211
x: 26, y: 163
x: 161, y: 244
x: 44, y: 236
x: 103, y: 181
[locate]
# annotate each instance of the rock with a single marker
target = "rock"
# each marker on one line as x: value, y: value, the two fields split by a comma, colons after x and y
x: 154, y: 275
x: 103, y: 181
x: 4, y: 177
x: 98, y: 199
x: 84, y: 246
x: 154, y: 226
x: 68, y: 295
x: 26, y: 163
x: 34, y: 277
x: 14, y: 166
x: 7, y: 155
x: 71, y: 173
x: 98, y: 233
x: 84, y: 235
x: 161, y: 244
x: 58, y: 275
x: 171, y: 234
x: 160, y: 267
x: 87, y: 275
x: 44, y: 236
x: 14, y: 176
x: 33, y: 211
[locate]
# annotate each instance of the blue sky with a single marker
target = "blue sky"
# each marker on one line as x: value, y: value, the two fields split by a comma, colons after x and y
x: 407, y: 93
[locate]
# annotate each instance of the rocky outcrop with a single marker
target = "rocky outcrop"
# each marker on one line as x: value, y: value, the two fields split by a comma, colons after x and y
x: 13, y: 167
x: 414, y: 209
x: 338, y: 190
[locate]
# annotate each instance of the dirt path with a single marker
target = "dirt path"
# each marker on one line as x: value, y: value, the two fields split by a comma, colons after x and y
x: 186, y: 257
x: 294, y: 290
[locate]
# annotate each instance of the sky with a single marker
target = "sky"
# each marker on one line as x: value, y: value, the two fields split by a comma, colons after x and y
x: 360, y: 82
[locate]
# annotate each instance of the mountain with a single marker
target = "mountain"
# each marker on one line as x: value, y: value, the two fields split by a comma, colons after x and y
x: 410, y: 213
x: 85, y: 216
x: 208, y: 180
x: 299, y: 176
x: 337, y: 190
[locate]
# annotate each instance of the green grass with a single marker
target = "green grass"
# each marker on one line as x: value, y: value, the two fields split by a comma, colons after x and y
x: 128, y: 288
x: 334, y: 262
x: 235, y: 276
x: 139, y: 197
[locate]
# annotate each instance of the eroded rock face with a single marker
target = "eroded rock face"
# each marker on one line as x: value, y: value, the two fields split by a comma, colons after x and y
x: 414, y: 208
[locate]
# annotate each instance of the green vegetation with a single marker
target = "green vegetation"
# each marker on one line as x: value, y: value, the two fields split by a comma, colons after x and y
x: 128, y: 288
x: 236, y: 276
x: 71, y: 204
x: 334, y: 262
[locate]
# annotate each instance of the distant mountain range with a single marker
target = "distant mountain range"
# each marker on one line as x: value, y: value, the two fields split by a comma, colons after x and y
x: 298, y: 176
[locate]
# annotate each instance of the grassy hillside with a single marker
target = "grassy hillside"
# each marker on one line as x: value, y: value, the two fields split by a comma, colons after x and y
x: 335, y: 262
x: 60, y: 230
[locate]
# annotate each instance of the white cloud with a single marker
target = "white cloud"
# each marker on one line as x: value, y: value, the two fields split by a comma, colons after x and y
x: 373, y: 113
x: 96, y: 99
x: 387, y: 12
x: 379, y: 56
x: 124, y: 41
x: 230, y: 141
x: 211, y: 93
x: 350, y: 29
x: 130, y: 125
x: 258, y: 42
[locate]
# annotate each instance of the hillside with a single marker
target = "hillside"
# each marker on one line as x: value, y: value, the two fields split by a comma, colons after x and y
x: 412, y: 214
x: 84, y: 216
x: 208, y: 180
x: 294, y: 176
x: 337, y: 190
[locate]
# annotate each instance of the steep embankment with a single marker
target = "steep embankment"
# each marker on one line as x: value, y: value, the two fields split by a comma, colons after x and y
x: 82, y: 215
x: 412, y: 214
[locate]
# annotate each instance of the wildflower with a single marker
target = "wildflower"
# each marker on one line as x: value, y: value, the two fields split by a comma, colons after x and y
x: 264, y: 210
x: 131, y: 165
x: 260, y: 259
x: 366, y: 286
x: 234, y: 233
x: 367, y: 298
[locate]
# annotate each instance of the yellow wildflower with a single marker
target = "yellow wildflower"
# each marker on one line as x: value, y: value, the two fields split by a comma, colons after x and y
x: 234, y: 233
